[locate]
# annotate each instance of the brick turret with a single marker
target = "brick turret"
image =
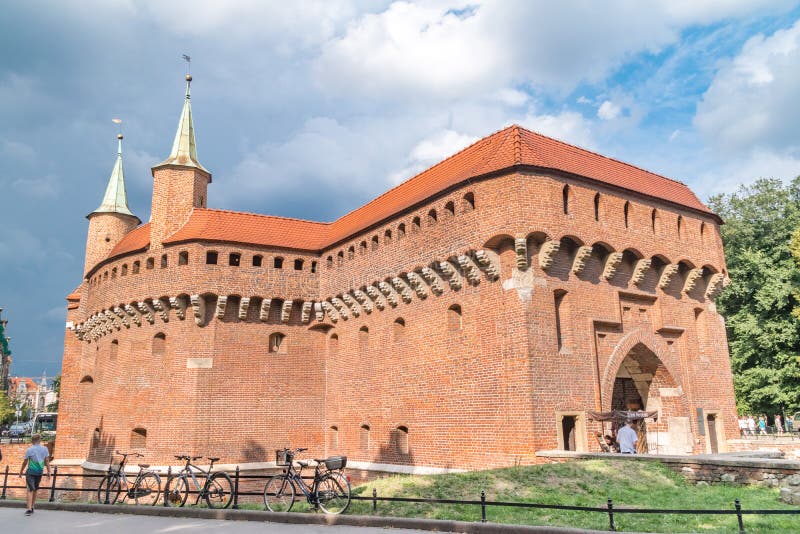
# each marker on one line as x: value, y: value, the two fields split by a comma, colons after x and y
x: 112, y: 220
x: 180, y: 183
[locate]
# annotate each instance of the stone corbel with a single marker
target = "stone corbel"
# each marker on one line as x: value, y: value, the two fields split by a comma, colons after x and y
x: 199, y: 309
x: 489, y: 266
x: 113, y: 321
x: 147, y: 311
x: 244, y: 306
x: 612, y: 264
x: 363, y: 300
x: 319, y: 312
x: 377, y: 298
x: 417, y: 284
x: 521, y: 250
x: 355, y: 309
x: 162, y: 308
x: 328, y: 308
x: 640, y: 271
x: 263, y: 313
x: 222, y: 303
x: 582, y: 255
x: 402, y: 289
x: 691, y: 279
x: 547, y: 254
x: 715, y: 285
x: 667, y: 274
x: 179, y: 305
x: 286, y: 311
x: 433, y: 280
x: 469, y: 268
x: 134, y: 314
x: 389, y: 292
x: 451, y: 274
x: 122, y: 317
x: 305, y: 315
x: 341, y: 308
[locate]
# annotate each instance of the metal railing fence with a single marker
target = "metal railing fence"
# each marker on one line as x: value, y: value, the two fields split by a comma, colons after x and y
x: 609, y: 509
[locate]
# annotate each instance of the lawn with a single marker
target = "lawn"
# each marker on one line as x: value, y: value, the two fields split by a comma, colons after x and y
x: 584, y: 483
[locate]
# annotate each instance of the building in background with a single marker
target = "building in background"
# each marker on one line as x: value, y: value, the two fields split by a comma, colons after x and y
x: 31, y: 396
x: 465, y: 319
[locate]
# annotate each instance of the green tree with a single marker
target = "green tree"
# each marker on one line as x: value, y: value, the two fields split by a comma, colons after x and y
x: 763, y: 332
x: 53, y: 406
x: 6, y: 408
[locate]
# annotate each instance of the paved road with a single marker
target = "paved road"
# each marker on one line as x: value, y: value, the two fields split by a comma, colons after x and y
x: 13, y: 520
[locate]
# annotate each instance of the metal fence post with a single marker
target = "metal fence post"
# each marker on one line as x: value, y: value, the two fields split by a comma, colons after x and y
x: 108, y: 485
x: 483, y: 506
x: 5, y: 483
x: 611, y: 526
x: 738, y: 506
x: 166, y: 485
x: 53, y: 484
x: 374, y: 498
x: 236, y: 489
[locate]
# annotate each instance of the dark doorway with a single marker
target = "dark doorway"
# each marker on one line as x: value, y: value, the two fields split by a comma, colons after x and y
x: 712, y: 432
x: 568, y: 432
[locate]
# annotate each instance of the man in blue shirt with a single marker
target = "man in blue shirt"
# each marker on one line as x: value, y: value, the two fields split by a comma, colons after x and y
x: 37, y: 459
x: 627, y: 438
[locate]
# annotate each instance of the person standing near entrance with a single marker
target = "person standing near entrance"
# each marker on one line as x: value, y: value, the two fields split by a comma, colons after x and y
x: 627, y: 438
x: 37, y: 460
x: 779, y: 423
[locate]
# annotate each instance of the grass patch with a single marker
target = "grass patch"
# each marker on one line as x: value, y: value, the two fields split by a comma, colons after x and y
x: 584, y: 483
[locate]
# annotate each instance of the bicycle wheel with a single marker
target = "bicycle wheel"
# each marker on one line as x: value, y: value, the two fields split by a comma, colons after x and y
x: 218, y: 490
x: 147, y: 489
x: 109, y: 489
x: 176, y: 490
x: 279, y: 494
x: 333, y: 493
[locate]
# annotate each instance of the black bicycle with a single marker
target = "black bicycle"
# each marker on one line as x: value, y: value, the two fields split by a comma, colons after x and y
x: 217, y: 490
x: 330, y: 489
x: 144, y: 490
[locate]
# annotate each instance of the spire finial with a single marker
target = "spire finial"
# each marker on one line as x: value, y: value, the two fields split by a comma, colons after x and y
x: 188, y: 61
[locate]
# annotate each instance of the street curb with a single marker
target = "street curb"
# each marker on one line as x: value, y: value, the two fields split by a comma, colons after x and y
x: 303, y: 519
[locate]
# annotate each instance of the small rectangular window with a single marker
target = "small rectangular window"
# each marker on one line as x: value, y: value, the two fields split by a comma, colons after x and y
x: 298, y: 265
x: 234, y: 259
x: 257, y: 261
x: 183, y: 258
x: 211, y: 258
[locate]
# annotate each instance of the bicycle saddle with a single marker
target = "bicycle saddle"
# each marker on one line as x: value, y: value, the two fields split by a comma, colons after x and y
x: 213, y: 459
x: 143, y: 466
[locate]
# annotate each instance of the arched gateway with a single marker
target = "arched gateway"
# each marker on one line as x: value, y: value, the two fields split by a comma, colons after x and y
x: 642, y: 375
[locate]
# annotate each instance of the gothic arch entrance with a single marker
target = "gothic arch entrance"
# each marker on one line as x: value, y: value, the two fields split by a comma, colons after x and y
x: 643, y: 382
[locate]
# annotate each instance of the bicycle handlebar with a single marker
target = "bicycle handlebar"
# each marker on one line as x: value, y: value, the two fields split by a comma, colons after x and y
x: 126, y: 454
x: 187, y: 457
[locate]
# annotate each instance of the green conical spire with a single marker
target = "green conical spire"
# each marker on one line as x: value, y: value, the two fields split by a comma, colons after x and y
x: 116, y: 199
x: 184, y: 148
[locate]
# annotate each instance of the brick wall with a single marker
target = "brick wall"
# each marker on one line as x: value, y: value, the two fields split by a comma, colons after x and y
x: 482, y: 390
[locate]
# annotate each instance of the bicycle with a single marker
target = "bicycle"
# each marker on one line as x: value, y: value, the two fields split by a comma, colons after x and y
x: 145, y: 490
x: 330, y: 489
x: 217, y: 490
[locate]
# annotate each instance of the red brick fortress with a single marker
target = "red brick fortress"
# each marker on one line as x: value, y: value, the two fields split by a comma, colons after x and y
x: 465, y: 319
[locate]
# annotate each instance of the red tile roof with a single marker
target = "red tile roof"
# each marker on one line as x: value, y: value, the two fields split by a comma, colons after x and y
x: 512, y: 147
x: 135, y: 240
x: 239, y: 227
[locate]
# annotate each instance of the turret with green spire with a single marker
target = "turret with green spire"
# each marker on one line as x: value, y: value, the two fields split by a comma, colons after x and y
x: 116, y: 198
x: 109, y: 223
x: 184, y: 147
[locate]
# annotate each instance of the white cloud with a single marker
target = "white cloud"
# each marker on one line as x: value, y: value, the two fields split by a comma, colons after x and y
x: 760, y: 163
x: 430, y: 151
x: 567, y: 126
x: 608, y: 110
x: 450, y: 49
x: 753, y: 99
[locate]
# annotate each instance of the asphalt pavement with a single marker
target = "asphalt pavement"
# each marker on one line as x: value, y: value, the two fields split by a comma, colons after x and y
x: 14, y: 520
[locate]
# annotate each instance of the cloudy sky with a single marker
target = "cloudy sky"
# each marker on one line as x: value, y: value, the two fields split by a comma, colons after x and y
x: 311, y: 111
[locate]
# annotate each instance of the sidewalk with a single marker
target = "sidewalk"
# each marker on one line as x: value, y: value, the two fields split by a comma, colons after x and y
x: 9, y: 510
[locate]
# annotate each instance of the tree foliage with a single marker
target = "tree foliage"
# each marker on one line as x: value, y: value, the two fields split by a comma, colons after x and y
x: 760, y: 235
x: 53, y: 406
x: 6, y: 408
